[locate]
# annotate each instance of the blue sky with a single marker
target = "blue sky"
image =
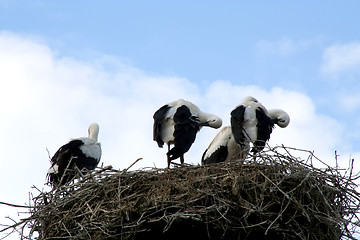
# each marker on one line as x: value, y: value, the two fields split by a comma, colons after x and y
x: 65, y: 64
x: 201, y: 41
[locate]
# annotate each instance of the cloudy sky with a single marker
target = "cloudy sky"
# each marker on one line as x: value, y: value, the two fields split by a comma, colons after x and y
x: 66, y: 64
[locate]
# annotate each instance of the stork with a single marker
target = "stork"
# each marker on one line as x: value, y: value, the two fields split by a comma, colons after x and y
x: 177, y: 123
x: 251, y: 123
x: 222, y: 148
x: 81, y: 153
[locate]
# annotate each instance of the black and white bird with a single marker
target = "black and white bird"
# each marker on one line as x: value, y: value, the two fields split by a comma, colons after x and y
x: 222, y: 148
x: 177, y: 123
x: 251, y: 122
x: 225, y: 147
x: 77, y: 154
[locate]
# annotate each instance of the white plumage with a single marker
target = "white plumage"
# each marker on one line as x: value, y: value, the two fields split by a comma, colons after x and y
x: 177, y: 123
x: 222, y: 148
x: 81, y: 153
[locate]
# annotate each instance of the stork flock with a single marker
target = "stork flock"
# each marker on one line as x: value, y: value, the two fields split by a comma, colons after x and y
x: 176, y: 124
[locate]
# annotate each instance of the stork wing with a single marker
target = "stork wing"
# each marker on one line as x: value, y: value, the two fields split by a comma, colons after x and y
x: 264, y: 126
x: 218, y: 156
x: 237, y: 121
x: 63, y: 159
x: 65, y: 151
x: 159, y: 118
x: 186, y: 128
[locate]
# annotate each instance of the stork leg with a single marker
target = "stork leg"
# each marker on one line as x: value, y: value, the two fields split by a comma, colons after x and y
x: 243, y: 154
x: 168, y: 160
x: 182, y: 159
x: 168, y: 157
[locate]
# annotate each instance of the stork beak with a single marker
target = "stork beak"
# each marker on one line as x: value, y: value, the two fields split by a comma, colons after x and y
x: 275, y: 120
x: 204, y: 124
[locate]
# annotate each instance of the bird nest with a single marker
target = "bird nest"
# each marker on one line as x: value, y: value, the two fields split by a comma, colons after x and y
x: 278, y: 196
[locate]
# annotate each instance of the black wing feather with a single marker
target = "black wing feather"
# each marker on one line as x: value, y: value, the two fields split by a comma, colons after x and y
x: 159, y: 118
x: 237, y: 121
x: 67, y: 157
x: 185, y: 132
x: 264, y: 126
x: 216, y: 157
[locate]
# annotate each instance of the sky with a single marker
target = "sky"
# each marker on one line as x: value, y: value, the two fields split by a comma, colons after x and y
x: 65, y: 64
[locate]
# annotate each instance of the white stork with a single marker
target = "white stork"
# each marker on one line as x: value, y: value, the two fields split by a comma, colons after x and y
x: 251, y: 122
x: 222, y: 148
x: 77, y: 153
x: 177, y: 123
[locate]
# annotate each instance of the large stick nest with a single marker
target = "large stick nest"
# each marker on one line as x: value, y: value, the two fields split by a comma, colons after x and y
x: 277, y: 196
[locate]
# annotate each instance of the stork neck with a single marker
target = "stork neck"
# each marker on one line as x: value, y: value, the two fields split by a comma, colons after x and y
x: 94, y: 131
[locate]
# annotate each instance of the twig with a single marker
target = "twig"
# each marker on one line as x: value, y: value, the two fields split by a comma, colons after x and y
x: 126, y: 169
x: 15, y: 205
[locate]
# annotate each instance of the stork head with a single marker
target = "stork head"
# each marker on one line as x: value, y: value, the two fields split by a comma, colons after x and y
x: 93, y: 131
x: 279, y: 117
x: 211, y: 121
x: 249, y: 99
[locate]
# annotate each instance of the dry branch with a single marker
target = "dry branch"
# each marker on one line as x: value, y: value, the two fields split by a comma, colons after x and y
x: 277, y: 197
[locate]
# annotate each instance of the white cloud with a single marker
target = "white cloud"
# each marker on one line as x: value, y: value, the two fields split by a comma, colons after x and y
x: 282, y: 47
x: 285, y: 46
x: 349, y: 101
x: 45, y: 100
x: 340, y: 58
